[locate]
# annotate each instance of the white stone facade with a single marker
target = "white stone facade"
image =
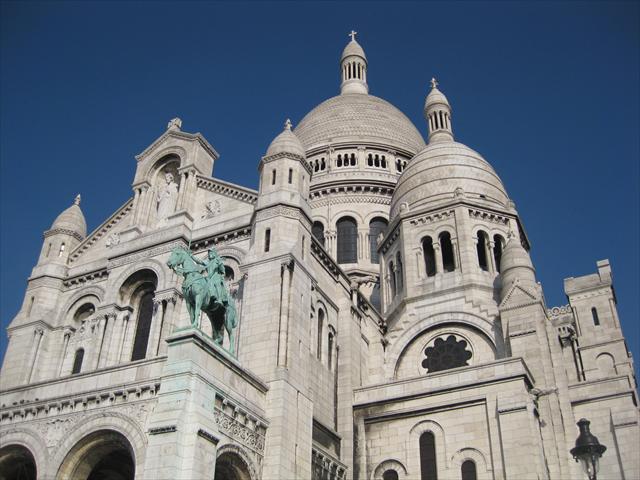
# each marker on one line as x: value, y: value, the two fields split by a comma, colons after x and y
x: 390, y: 323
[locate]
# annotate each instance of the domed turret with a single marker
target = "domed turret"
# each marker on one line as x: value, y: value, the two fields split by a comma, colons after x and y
x: 516, y: 264
x: 354, y: 68
x: 66, y: 232
x: 438, y: 114
x: 72, y: 220
x: 286, y: 142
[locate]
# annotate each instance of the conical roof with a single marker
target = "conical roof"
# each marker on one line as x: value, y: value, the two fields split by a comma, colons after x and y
x: 72, y: 219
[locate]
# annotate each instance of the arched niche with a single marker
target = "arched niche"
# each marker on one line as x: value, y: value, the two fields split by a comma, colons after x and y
x: 138, y: 293
x: 17, y: 463
x: 233, y: 463
x: 100, y: 455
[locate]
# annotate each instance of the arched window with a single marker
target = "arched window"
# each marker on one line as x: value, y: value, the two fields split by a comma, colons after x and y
x: 594, y: 315
x: 77, y: 361
x: 468, y: 470
x: 267, y: 239
x: 229, y: 274
x: 376, y: 226
x: 143, y: 326
x: 84, y: 312
x: 353, y: 159
x: 347, y: 240
x: 317, y: 230
x: 448, y: 262
x: 392, y: 279
x: 445, y: 354
x: 339, y: 161
x: 399, y: 274
x: 428, y: 467
x: 320, y: 330
x: 482, y: 251
x: 61, y: 251
x: 498, y: 242
x: 429, y: 256
x: 390, y: 475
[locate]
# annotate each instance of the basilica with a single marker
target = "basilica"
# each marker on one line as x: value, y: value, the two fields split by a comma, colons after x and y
x: 388, y: 321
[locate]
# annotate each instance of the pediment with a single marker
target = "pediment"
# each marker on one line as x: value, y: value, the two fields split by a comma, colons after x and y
x: 173, y: 137
x: 519, y: 296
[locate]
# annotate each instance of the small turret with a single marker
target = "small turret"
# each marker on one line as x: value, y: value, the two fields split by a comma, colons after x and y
x: 516, y: 265
x: 66, y: 232
x: 353, y: 64
x: 437, y: 111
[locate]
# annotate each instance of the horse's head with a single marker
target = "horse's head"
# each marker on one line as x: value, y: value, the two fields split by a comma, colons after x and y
x: 176, y: 257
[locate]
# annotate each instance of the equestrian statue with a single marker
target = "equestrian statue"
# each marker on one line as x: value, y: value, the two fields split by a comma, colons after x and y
x: 204, y: 290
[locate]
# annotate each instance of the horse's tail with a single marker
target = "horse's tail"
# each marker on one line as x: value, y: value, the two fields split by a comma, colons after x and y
x: 231, y: 315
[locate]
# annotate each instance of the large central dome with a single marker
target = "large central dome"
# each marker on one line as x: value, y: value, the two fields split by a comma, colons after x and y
x: 361, y: 118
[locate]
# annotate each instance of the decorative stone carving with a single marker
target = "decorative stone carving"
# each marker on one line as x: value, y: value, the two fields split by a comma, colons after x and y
x: 174, y: 124
x: 113, y: 240
x: 212, y: 209
x: 239, y: 431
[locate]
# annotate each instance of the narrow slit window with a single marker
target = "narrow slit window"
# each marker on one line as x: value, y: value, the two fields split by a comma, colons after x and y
x: 61, y: 251
x: 290, y: 175
x: 77, y: 361
x: 273, y: 177
x: 498, y: 242
x: 482, y: 251
x: 448, y: 262
x: 594, y: 315
x: 267, y: 239
x: 429, y: 256
x: 468, y: 470
x: 428, y: 467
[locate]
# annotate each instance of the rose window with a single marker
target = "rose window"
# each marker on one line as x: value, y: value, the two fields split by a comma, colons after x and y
x: 446, y: 353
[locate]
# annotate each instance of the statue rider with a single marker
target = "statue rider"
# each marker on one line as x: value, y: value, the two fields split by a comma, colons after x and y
x: 215, y: 276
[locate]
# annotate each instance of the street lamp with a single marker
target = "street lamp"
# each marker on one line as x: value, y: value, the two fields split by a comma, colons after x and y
x: 588, y: 449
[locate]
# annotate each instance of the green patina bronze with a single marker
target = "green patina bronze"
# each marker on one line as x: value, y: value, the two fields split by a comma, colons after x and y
x: 206, y: 293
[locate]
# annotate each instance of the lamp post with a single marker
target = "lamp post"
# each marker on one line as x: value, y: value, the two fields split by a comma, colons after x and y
x: 588, y: 450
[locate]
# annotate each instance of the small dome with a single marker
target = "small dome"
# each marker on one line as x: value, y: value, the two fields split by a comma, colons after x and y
x: 435, y: 97
x: 286, y: 142
x: 72, y: 219
x: 353, y: 48
x: 358, y: 118
x: 443, y: 171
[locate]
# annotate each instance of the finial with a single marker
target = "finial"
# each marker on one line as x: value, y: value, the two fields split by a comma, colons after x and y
x: 77, y: 200
x: 287, y: 125
x: 434, y: 83
x: 174, y: 124
x: 353, y: 35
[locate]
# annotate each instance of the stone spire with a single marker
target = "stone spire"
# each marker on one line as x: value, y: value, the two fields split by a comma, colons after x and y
x: 437, y: 111
x: 353, y: 65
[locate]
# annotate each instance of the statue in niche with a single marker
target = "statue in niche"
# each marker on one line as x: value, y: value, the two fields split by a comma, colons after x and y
x: 167, y: 198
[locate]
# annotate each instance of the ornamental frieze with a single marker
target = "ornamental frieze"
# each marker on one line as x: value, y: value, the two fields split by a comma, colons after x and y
x: 239, y: 431
x: 488, y: 217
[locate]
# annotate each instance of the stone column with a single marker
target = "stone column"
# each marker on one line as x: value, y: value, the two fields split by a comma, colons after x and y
x: 491, y: 261
x: 65, y: 346
x: 156, y: 328
x: 456, y: 254
x: 123, y: 339
x: 167, y: 324
x: 110, y: 327
x: 38, y: 333
x: 438, y: 255
x: 102, y: 325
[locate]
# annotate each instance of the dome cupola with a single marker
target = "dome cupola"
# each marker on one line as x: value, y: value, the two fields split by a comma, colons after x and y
x: 286, y: 142
x: 71, y: 221
x: 353, y: 64
x: 437, y: 111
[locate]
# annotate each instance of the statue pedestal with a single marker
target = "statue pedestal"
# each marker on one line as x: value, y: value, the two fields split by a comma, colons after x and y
x: 189, y: 423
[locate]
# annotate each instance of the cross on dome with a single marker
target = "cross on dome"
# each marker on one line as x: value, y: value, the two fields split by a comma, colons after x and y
x: 434, y: 82
x: 353, y: 35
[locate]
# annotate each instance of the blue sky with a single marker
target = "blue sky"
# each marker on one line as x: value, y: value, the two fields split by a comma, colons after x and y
x: 546, y: 91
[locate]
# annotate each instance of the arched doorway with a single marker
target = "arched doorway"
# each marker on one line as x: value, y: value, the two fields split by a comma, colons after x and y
x: 102, y: 455
x: 17, y: 463
x: 231, y: 466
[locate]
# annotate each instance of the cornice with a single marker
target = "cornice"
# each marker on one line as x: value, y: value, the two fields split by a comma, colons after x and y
x: 64, y: 231
x: 227, y: 189
x: 101, y: 231
x: 190, y: 137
